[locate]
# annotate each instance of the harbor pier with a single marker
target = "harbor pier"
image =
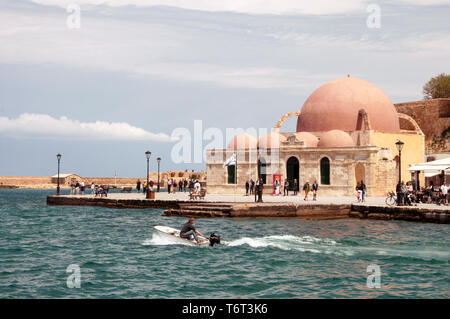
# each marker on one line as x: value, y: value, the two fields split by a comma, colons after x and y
x: 239, y: 206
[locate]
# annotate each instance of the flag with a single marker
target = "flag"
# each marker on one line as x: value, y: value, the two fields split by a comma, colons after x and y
x: 231, y: 161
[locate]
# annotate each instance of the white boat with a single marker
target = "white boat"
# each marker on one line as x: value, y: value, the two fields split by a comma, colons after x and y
x: 175, y: 234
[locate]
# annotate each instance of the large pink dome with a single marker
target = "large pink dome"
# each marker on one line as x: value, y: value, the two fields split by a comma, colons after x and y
x: 335, y: 106
x: 243, y: 141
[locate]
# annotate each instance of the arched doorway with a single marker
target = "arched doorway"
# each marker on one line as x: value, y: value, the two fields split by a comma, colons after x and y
x: 262, y: 170
x: 360, y: 173
x: 292, y: 171
x: 231, y: 170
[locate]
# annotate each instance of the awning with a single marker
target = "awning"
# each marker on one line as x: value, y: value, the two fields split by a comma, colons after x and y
x: 431, y: 174
x: 425, y: 168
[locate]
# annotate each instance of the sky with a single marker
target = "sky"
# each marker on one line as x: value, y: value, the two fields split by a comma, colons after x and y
x: 103, y: 81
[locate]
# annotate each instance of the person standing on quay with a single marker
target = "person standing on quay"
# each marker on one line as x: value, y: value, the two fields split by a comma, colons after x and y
x: 286, y: 188
x: 295, y: 187
x: 174, y: 186
x: 306, y: 188
x: 77, y: 188
x: 362, y: 186
x: 247, y: 186
x: 169, y: 185
x: 251, y: 186
x: 92, y: 188
x: 82, y: 187
x: 72, y: 187
x: 185, y: 182
x: 315, y: 188
x: 138, y: 185
x: 277, y: 187
x: 259, y: 189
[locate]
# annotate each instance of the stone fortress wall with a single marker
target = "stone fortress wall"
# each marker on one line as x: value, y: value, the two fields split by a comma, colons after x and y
x: 432, y: 116
x: 49, y: 182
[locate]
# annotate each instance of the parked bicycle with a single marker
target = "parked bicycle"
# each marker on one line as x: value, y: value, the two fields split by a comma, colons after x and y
x: 391, y: 199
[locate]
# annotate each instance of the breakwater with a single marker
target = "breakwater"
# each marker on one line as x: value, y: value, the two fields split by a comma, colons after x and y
x: 213, y: 209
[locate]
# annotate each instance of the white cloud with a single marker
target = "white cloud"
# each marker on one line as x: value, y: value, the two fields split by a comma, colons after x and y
x: 168, y: 51
x: 316, y: 7
x: 425, y: 2
x: 259, y: 52
x: 46, y: 126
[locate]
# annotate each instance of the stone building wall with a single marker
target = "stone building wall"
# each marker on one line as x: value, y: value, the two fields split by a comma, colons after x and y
x: 377, y: 174
x: 433, y: 117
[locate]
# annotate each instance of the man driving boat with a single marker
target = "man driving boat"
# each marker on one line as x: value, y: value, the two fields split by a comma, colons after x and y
x: 189, y: 230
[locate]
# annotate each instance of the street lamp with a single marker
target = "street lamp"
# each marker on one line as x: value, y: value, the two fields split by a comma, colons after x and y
x: 159, y: 161
x: 58, y: 156
x: 147, y: 154
x: 399, y: 145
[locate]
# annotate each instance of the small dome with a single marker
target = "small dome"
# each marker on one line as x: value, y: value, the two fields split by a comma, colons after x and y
x: 310, y: 139
x: 335, y: 106
x: 336, y: 138
x: 271, y: 140
x: 243, y: 141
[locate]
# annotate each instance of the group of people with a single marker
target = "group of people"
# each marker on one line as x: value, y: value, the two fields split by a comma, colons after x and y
x: 183, y: 185
x: 360, y: 192
x: 79, y: 188
x: 256, y: 188
x: 76, y: 188
x: 314, y: 187
x: 150, y: 186
x: 407, y: 194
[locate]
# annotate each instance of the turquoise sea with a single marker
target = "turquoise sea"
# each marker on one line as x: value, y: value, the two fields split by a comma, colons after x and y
x: 120, y: 256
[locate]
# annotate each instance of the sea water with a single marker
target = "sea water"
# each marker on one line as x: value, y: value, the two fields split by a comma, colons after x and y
x: 119, y: 255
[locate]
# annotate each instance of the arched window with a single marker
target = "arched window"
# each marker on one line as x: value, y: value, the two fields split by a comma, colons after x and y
x: 325, y: 171
x: 231, y: 174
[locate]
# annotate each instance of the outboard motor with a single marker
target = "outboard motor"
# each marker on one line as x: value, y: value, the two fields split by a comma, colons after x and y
x: 214, y: 239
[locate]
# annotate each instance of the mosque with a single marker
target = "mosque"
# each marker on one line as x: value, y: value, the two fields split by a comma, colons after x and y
x: 346, y: 133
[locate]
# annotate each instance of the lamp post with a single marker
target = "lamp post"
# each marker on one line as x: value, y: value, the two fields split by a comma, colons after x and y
x: 147, y: 154
x: 58, y: 156
x: 159, y: 161
x: 399, y: 145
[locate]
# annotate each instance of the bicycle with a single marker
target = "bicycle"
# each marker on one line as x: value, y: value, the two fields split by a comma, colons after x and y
x: 391, y: 199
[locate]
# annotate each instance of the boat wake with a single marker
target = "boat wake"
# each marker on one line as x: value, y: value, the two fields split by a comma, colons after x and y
x: 329, y: 246
x: 315, y: 245
x: 161, y: 240
x: 289, y: 242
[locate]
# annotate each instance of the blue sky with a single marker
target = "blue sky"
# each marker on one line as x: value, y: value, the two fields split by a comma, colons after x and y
x: 135, y: 70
